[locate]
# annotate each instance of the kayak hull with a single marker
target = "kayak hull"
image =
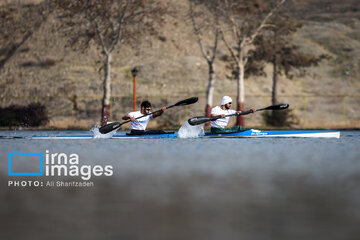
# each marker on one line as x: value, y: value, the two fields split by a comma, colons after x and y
x: 252, y: 133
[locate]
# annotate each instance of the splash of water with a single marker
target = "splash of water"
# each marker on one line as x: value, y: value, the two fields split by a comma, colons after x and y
x: 188, y: 131
x: 98, y: 134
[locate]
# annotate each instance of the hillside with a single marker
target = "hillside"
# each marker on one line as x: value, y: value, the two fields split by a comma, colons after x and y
x: 69, y: 83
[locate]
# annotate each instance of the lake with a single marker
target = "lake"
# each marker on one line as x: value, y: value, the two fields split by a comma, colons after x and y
x: 245, y: 188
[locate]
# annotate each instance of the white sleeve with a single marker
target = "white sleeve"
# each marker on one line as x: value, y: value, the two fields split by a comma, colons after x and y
x: 213, y: 111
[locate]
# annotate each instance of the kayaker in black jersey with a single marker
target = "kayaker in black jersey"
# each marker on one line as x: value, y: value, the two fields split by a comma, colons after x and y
x: 138, y: 126
x: 219, y: 126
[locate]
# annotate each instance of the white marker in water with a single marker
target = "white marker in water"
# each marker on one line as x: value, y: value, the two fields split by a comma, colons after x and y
x: 188, y: 131
x: 97, y: 134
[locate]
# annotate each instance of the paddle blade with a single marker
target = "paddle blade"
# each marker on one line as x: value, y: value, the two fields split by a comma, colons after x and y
x: 187, y: 101
x: 109, y: 127
x: 277, y: 107
x: 198, y: 120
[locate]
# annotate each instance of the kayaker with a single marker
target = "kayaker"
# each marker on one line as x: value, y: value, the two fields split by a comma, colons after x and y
x: 138, y: 126
x: 219, y: 125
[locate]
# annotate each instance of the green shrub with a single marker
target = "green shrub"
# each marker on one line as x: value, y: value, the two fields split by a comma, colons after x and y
x: 33, y: 115
x: 280, y: 118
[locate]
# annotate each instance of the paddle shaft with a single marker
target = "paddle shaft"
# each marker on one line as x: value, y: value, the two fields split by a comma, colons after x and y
x: 272, y: 107
x: 201, y: 120
x: 120, y: 124
x: 115, y: 125
x: 148, y: 114
x: 234, y: 114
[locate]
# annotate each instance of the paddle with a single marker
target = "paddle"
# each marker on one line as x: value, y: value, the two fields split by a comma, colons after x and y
x: 200, y: 120
x: 112, y: 126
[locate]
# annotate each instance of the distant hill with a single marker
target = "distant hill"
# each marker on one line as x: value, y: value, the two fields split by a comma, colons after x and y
x: 44, y: 69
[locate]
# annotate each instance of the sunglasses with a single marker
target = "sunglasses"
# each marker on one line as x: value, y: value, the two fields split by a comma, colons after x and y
x: 147, y: 109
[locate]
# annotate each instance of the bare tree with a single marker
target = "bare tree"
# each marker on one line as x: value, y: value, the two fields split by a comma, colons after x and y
x: 109, y: 23
x: 275, y: 46
x: 204, y: 17
x: 245, y: 20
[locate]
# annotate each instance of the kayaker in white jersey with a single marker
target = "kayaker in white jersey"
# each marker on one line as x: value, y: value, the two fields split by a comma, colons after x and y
x: 219, y: 126
x: 138, y: 126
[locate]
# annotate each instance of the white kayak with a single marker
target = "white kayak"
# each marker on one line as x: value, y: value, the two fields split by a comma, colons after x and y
x: 252, y: 133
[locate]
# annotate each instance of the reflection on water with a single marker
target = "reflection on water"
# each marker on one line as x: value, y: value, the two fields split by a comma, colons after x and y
x: 192, y: 189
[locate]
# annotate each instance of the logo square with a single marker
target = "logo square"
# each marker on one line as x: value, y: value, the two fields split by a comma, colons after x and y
x: 32, y: 160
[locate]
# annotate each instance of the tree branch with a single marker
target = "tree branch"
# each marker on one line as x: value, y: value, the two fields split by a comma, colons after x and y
x: 263, y: 23
x: 215, y: 44
x: 198, y: 34
x: 232, y: 53
x: 120, y: 23
x: 98, y: 32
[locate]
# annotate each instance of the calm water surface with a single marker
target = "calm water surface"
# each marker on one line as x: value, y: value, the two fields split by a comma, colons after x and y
x: 285, y: 188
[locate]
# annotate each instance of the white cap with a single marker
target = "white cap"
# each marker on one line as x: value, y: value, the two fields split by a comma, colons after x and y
x: 225, y: 100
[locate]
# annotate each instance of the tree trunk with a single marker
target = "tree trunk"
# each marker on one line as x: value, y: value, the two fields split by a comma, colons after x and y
x: 240, y: 92
x: 107, y: 91
x: 274, y: 91
x: 274, y: 87
x: 210, y: 91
